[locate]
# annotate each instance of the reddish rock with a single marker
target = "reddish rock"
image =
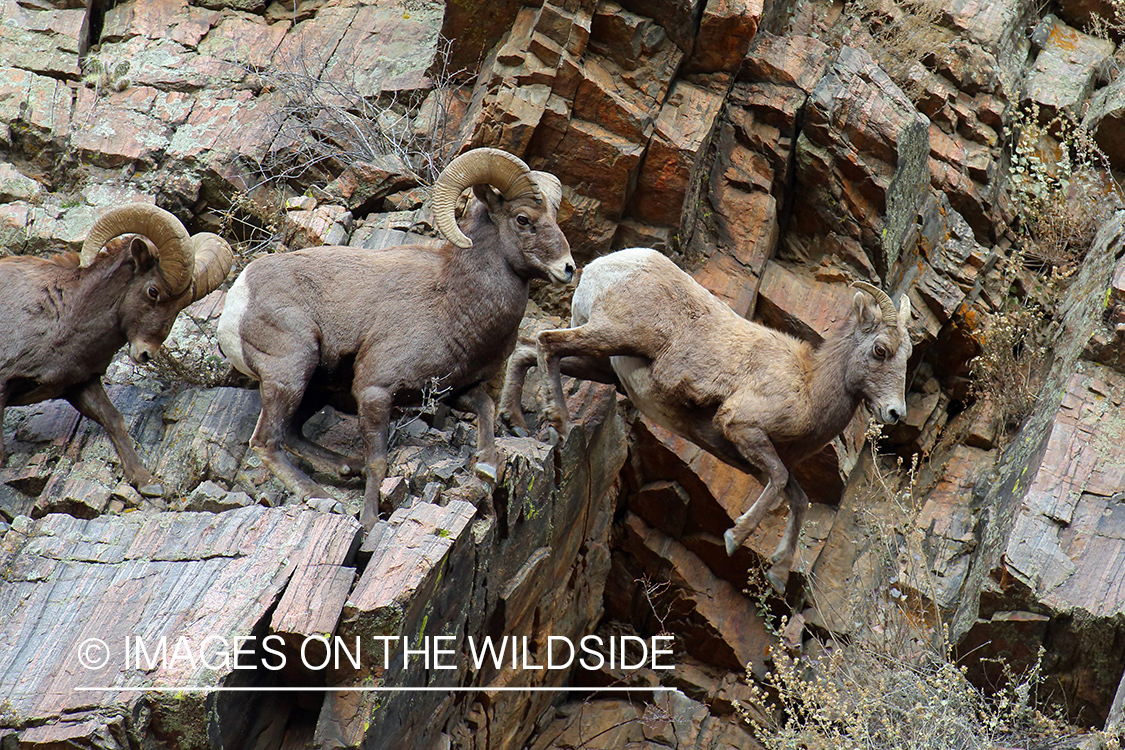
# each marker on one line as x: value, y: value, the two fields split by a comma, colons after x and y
x: 721, y: 626
x: 797, y: 61
x: 1106, y: 119
x: 862, y: 159
x: 188, y: 576
x: 43, y: 103
x: 725, y: 31
x: 677, y: 17
x: 792, y: 302
x: 602, y: 164
x: 41, y: 41
x: 675, y: 153
x: 948, y: 523
x: 363, y: 183
x: 244, y: 40
x: 118, y: 128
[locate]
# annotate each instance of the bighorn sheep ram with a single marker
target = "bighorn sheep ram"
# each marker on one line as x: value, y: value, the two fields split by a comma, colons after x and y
x: 756, y: 398
x: 367, y: 331
x: 66, y: 316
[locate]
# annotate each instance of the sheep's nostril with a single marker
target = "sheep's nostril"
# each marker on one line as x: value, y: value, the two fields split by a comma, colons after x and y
x: 569, y: 271
x: 895, y: 415
x: 146, y: 356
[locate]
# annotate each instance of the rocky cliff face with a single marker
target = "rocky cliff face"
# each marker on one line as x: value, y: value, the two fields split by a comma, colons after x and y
x: 777, y: 151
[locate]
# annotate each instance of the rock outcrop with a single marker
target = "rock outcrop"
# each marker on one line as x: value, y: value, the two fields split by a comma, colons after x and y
x: 777, y: 151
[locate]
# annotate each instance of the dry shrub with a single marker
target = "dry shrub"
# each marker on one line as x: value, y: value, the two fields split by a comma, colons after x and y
x: 1061, y: 188
x: 891, y: 683
x: 327, y: 122
x: 1061, y: 191
x: 903, y: 34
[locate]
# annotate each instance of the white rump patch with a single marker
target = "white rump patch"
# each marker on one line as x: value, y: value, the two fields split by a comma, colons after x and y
x: 230, y: 321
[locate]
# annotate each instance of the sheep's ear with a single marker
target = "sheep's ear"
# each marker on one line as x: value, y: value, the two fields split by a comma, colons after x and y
x: 142, y: 258
x: 867, y: 317
x: 488, y: 196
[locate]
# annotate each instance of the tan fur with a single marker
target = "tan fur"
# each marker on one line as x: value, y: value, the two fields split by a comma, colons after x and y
x: 755, y: 397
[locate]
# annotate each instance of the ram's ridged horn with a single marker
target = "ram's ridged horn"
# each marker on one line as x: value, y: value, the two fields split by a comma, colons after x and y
x: 903, y: 310
x: 505, y: 172
x: 213, y: 259
x: 173, y: 245
x: 886, y: 304
x: 550, y: 187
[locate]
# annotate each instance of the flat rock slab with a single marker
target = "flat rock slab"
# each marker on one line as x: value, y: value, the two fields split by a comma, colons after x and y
x: 1068, y: 542
x: 178, y: 576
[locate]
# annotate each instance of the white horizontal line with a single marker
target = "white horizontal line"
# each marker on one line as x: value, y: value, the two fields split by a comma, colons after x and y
x: 212, y: 689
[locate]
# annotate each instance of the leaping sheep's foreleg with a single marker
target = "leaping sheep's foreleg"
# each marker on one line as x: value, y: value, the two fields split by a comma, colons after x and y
x: 755, y: 446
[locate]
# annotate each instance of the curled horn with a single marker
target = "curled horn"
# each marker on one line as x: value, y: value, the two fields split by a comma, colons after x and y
x: 174, y: 254
x: 551, y: 188
x: 886, y: 304
x: 213, y: 260
x: 505, y: 172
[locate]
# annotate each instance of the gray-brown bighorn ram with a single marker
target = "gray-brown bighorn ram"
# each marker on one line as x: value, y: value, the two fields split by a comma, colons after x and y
x: 65, y: 317
x: 756, y: 398
x: 367, y: 331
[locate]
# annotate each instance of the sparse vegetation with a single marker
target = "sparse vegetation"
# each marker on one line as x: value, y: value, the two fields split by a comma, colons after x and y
x: 891, y: 682
x: 326, y: 122
x: 900, y: 34
x: 1061, y: 191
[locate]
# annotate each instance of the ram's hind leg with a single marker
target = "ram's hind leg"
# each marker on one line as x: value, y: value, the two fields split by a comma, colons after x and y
x: 324, y: 459
x: 586, y: 343
x: 92, y: 402
x: 269, y: 436
x: 511, y: 399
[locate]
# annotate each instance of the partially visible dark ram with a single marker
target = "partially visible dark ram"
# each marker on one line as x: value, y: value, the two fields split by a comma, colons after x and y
x: 63, y: 318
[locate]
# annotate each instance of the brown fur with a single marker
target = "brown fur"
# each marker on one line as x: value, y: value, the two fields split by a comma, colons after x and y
x: 382, y: 327
x: 62, y: 325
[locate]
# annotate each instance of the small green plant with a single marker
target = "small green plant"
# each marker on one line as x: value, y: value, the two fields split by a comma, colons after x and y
x: 102, y: 76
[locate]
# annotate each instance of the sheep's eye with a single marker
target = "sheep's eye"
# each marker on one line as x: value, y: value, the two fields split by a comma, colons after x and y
x: 153, y: 293
x: 879, y: 351
x: 522, y: 220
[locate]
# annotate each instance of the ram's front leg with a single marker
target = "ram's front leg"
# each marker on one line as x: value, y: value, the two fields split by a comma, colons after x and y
x: 480, y: 403
x: 91, y: 401
x: 755, y: 446
x: 782, y: 558
x: 374, y: 424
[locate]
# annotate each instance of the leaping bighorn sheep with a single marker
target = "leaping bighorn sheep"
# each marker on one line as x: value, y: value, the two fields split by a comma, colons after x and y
x: 65, y: 317
x: 756, y: 398
x: 319, y: 325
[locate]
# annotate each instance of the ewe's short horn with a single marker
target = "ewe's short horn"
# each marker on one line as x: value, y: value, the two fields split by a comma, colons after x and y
x: 886, y: 304
x: 505, y: 172
x: 213, y: 259
x: 173, y: 245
